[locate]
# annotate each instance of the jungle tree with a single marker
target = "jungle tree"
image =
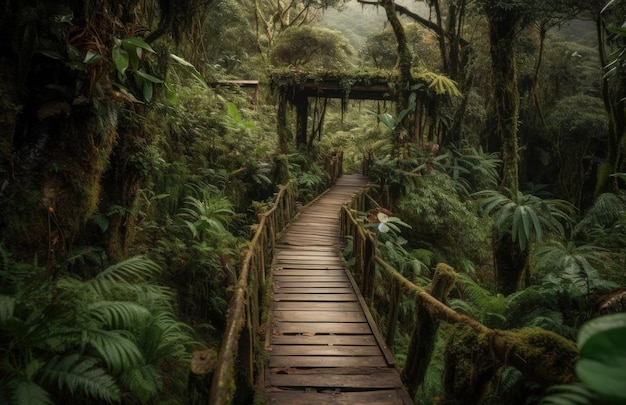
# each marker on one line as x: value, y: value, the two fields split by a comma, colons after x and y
x: 80, y: 79
x: 613, y: 86
x: 273, y: 17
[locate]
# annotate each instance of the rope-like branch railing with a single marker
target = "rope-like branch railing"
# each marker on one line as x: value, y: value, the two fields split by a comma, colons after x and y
x: 527, y: 350
x: 243, y: 309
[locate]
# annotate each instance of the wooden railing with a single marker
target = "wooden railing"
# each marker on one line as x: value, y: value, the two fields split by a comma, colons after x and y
x: 241, y: 343
x: 244, y: 310
x: 528, y: 351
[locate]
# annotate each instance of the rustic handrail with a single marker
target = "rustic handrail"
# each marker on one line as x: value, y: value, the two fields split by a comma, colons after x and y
x: 243, y: 309
x: 509, y: 347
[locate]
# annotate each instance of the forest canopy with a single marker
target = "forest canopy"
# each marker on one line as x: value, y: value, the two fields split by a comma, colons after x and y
x: 141, y: 141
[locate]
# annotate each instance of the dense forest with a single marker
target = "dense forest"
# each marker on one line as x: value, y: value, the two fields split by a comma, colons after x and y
x: 133, y: 172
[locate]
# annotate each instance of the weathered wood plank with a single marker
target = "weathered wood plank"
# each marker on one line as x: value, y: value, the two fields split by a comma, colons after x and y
x: 318, y: 316
x: 337, y: 340
x: 373, y: 378
x: 318, y: 350
x: 327, y: 361
x: 309, y: 272
x: 306, y: 279
x: 315, y: 297
x: 317, y: 306
x: 314, y: 290
x: 323, y: 327
x: 384, y: 397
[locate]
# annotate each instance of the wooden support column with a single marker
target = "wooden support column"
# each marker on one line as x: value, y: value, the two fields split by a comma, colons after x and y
x: 423, y: 337
x: 302, y: 115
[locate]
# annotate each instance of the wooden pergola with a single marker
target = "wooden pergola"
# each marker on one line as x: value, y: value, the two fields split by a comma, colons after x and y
x: 298, y: 88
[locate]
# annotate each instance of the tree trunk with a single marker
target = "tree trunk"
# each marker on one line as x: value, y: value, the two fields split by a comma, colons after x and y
x: 401, y: 131
x: 502, y: 29
x: 612, y: 96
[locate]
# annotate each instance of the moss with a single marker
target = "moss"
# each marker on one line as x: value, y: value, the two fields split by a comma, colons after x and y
x: 550, y: 356
x: 468, y: 367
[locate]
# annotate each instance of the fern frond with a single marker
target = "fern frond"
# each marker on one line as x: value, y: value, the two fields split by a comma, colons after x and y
x: 115, y: 347
x: 143, y: 381
x: 569, y: 394
x: 134, y: 269
x: 26, y: 392
x: 118, y: 314
x: 81, y: 374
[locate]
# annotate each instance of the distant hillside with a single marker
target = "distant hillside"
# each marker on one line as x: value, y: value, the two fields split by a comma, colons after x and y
x: 356, y: 21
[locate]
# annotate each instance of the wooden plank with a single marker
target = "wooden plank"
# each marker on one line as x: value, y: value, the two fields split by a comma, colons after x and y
x: 319, y: 350
x: 309, y: 272
x: 313, y: 284
x: 337, y: 340
x: 383, y: 397
x: 318, y: 316
x: 340, y: 289
x: 317, y: 306
x: 308, y: 266
x: 323, y: 327
x: 327, y: 361
x: 314, y: 297
x: 306, y: 279
x: 372, y: 378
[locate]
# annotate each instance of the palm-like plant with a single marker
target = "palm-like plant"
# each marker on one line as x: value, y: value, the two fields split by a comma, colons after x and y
x: 525, y: 217
x: 519, y: 221
x: 83, y: 341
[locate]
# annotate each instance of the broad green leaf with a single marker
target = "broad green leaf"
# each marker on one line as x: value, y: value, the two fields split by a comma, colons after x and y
x: 388, y: 120
x: 602, y: 364
x: 601, y: 324
x: 137, y: 43
x: 149, y: 77
x: 191, y: 69
x: 148, y: 90
x: 605, y: 379
x: 120, y: 58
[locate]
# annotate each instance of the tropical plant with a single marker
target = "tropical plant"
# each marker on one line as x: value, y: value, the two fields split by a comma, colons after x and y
x: 601, y: 367
x: 579, y: 266
x: 104, y: 339
x: 526, y: 217
x: 471, y: 168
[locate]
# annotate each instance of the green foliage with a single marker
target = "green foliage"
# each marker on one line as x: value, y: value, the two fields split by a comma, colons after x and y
x: 197, y: 247
x: 438, y: 216
x: 472, y: 169
x: 525, y: 217
x: 68, y: 338
x: 579, y: 266
x: 601, y: 367
x: 309, y: 47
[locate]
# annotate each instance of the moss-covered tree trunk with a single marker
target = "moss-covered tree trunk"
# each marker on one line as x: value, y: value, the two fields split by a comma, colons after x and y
x: 502, y: 29
x: 613, y: 98
x: 401, y: 133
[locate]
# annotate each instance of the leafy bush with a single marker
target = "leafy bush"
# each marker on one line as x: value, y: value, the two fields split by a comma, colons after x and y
x: 103, y: 339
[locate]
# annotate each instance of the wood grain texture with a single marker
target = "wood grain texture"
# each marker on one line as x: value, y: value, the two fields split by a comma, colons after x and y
x: 324, y: 347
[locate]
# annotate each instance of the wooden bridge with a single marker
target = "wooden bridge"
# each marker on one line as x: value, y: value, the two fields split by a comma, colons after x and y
x: 299, y: 330
x: 324, y: 346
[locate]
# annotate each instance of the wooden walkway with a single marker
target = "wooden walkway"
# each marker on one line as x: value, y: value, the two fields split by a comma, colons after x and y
x: 325, y: 348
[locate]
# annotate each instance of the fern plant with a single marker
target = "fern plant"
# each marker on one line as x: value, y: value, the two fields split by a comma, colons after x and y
x: 74, y: 341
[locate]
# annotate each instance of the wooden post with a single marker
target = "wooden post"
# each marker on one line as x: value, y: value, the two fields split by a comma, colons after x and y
x: 423, y: 337
x: 302, y: 116
x: 394, y: 310
x: 370, y: 268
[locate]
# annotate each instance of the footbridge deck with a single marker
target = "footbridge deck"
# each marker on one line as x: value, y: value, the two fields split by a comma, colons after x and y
x: 325, y: 347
